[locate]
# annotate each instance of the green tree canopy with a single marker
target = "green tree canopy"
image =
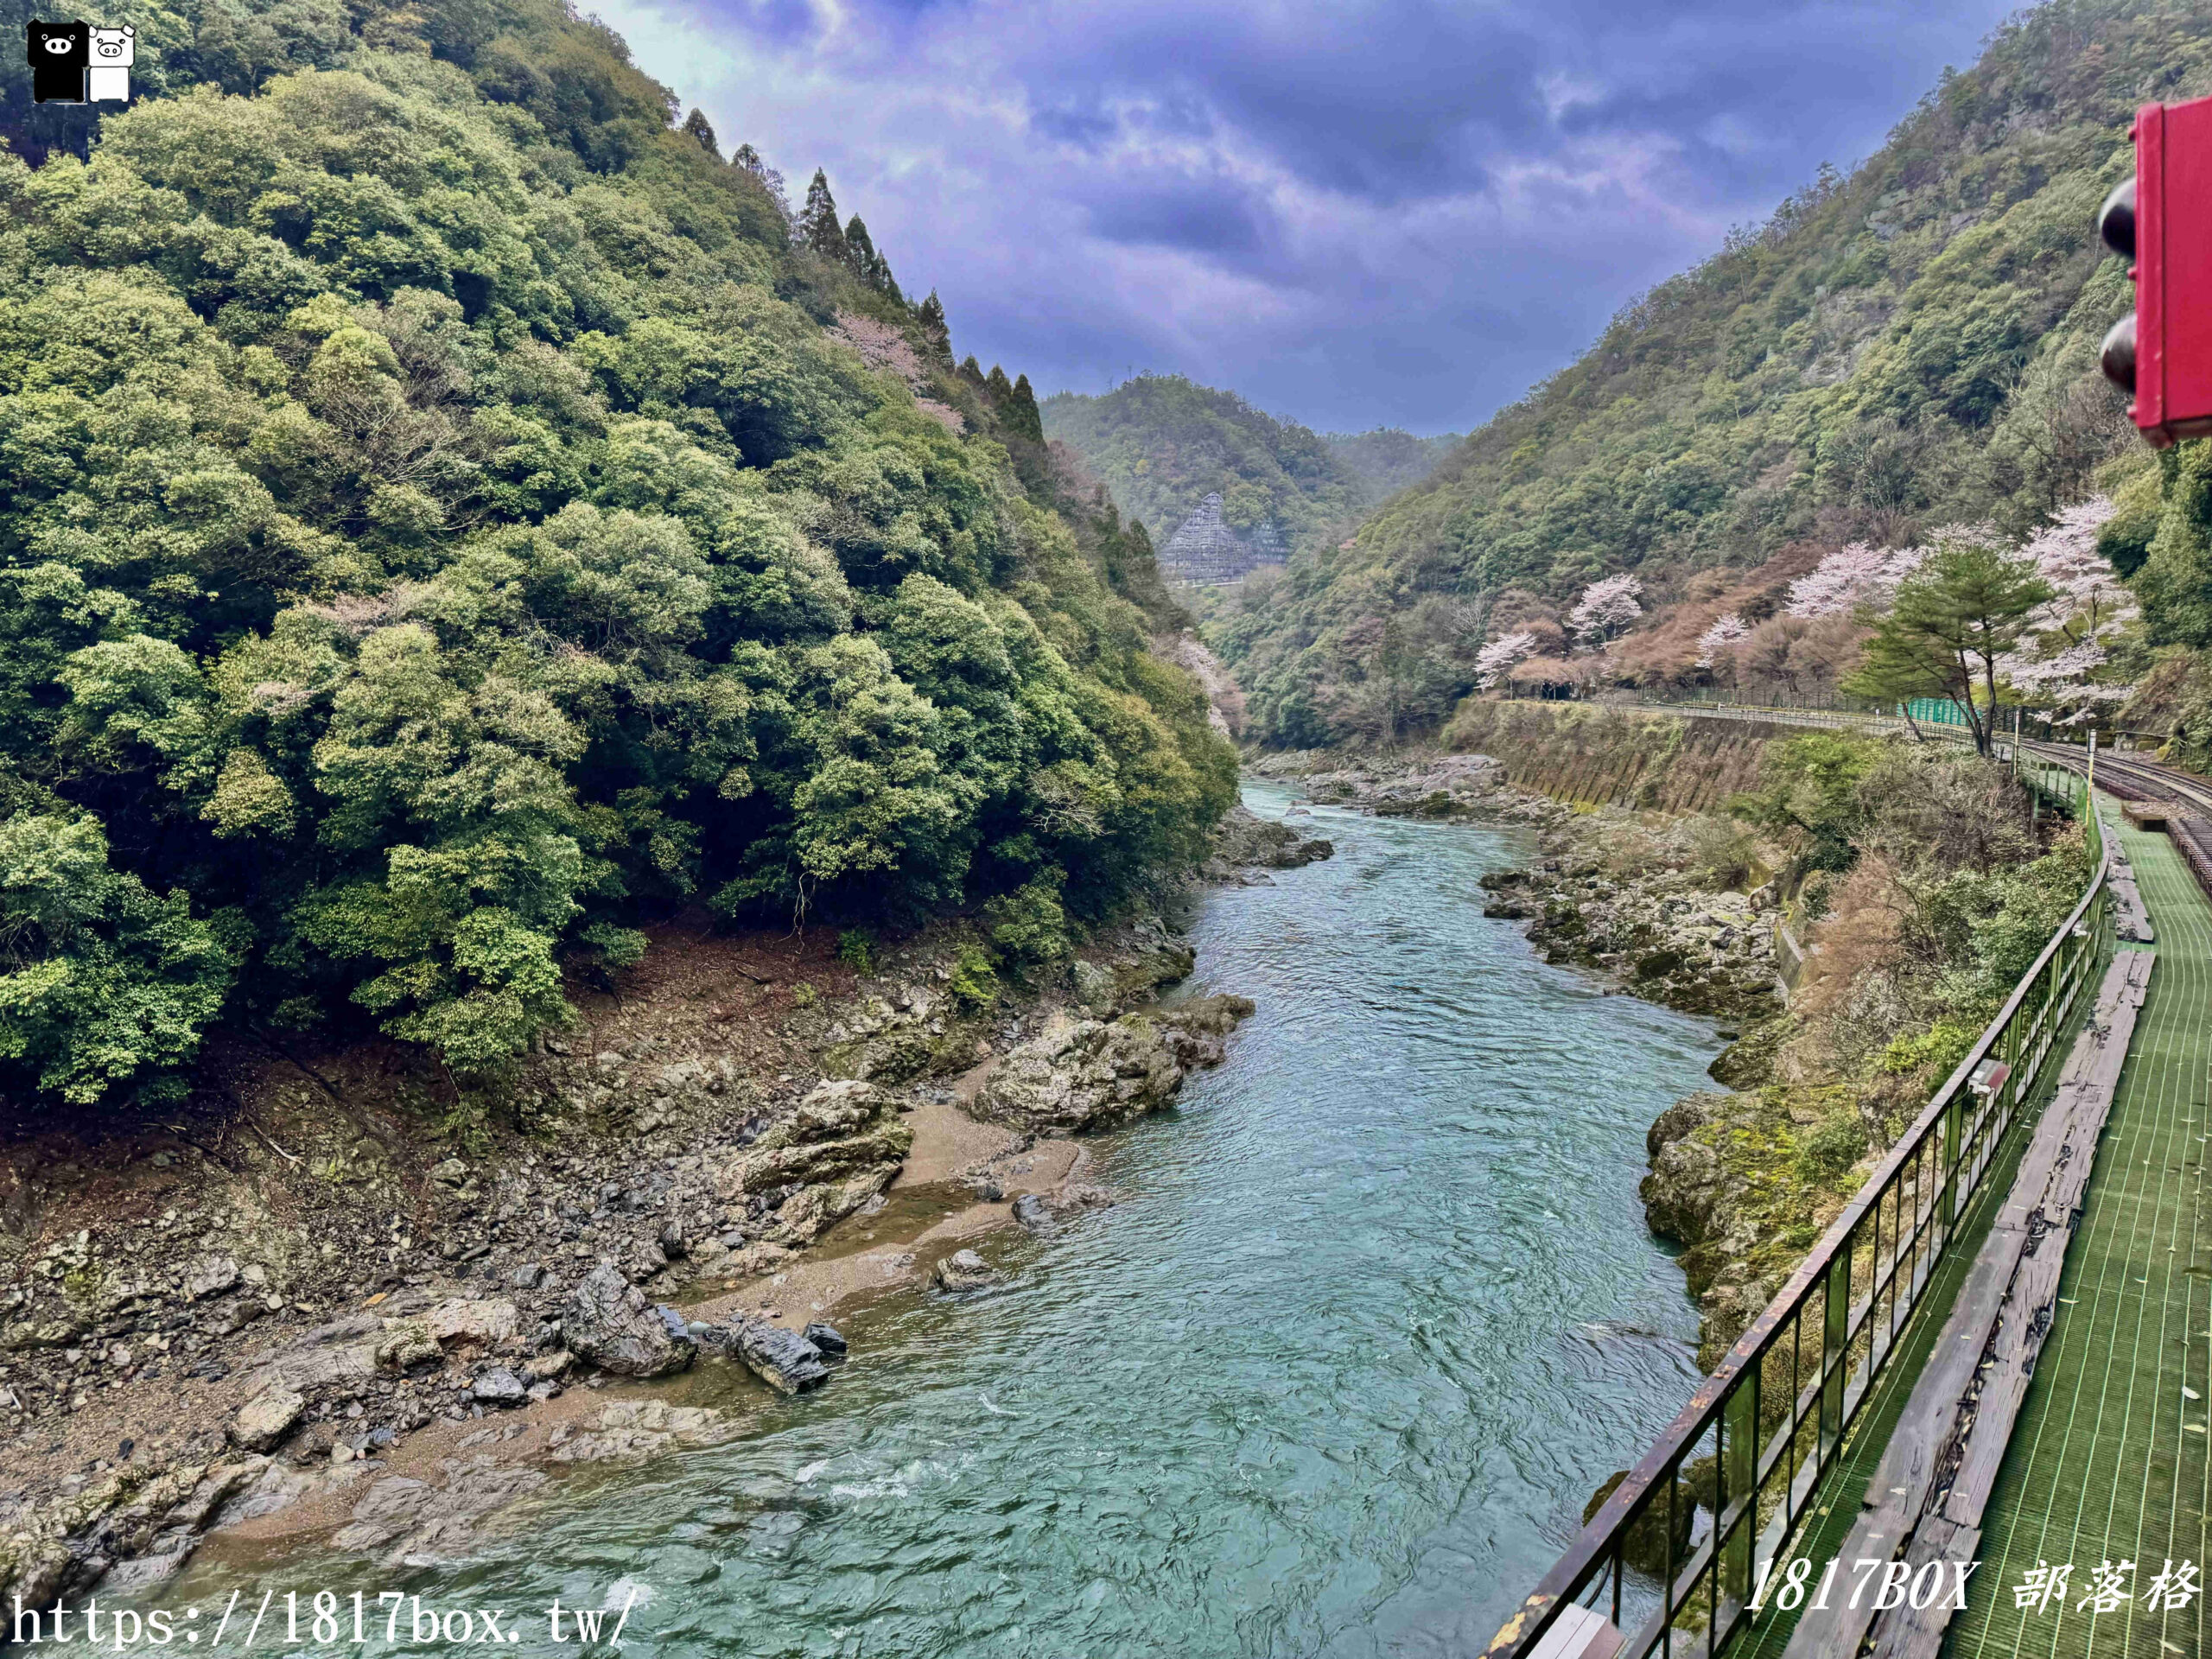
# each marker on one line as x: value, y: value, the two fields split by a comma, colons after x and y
x: 440, y: 536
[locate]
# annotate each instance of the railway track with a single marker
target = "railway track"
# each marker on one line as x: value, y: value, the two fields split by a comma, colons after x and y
x: 2128, y: 778
x: 2190, y: 821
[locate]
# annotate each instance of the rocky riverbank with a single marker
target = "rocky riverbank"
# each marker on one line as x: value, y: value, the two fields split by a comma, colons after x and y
x: 1629, y: 894
x: 325, y: 1302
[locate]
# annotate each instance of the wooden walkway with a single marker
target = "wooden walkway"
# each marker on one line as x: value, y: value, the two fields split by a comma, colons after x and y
x: 2131, y: 916
x: 2108, y: 1464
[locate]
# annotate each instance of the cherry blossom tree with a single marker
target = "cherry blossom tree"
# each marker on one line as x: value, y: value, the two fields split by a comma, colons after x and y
x: 2090, y: 598
x: 2058, y: 665
x: 1606, y: 607
x: 1852, y: 575
x: 2061, y: 683
x: 1492, y: 661
x: 1727, y: 628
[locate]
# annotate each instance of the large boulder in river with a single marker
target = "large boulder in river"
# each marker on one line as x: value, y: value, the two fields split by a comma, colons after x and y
x: 840, y: 1147
x: 963, y: 1270
x: 1091, y: 1074
x: 609, y: 1322
x: 785, y: 1359
x: 1243, y: 839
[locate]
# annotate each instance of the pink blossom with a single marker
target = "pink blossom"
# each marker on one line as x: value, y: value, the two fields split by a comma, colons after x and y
x: 2074, y: 663
x: 1606, y: 607
x: 1851, y: 576
x: 880, y: 346
x: 1727, y: 628
x: 2066, y: 556
x: 1494, y: 658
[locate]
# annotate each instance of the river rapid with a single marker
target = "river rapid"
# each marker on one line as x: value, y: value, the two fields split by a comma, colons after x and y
x: 1377, y: 1313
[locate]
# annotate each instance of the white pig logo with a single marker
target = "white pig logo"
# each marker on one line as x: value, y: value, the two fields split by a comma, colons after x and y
x: 108, y: 80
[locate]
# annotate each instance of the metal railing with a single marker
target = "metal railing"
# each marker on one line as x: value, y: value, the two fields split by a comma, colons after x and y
x: 1834, y: 712
x: 1826, y: 714
x: 1775, y: 1417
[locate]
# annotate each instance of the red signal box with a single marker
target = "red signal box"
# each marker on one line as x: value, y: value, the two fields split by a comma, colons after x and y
x: 2162, y: 220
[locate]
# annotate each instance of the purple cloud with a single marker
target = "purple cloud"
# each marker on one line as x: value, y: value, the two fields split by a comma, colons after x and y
x: 1364, y: 212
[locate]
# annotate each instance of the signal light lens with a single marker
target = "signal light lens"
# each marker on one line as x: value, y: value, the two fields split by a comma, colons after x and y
x: 2116, y: 219
x: 2117, y: 356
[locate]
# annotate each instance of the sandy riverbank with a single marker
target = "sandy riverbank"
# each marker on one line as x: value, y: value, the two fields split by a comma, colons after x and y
x: 324, y: 1314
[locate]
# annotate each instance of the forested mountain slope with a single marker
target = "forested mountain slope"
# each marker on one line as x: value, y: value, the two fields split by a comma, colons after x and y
x: 1160, y: 443
x: 1908, y: 346
x: 448, y: 515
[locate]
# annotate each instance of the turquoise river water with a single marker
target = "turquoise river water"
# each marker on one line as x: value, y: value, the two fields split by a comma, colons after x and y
x: 1378, y: 1312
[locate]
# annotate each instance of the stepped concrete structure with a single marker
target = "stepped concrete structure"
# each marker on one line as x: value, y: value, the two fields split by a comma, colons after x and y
x: 1204, y: 551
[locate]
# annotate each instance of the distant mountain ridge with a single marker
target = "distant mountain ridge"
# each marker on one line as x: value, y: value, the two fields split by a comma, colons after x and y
x: 1161, y: 444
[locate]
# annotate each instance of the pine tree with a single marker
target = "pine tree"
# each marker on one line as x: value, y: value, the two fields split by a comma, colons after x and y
x: 935, y: 329
x: 1952, y: 620
x: 817, y: 221
x: 1002, y: 389
x: 865, y: 261
x: 696, y: 125
x: 859, y: 249
x: 1024, y: 414
x: 746, y: 159
x: 972, y: 371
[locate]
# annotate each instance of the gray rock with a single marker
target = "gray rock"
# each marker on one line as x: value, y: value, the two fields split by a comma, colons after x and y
x: 840, y: 1148
x: 1087, y: 1074
x: 1095, y: 987
x: 963, y: 1270
x: 1688, y: 1196
x: 1243, y: 839
x: 529, y: 1276
x: 267, y: 1418
x: 1032, y: 1212
x: 211, y: 1275
x: 42, y: 1334
x: 779, y: 1356
x: 499, y: 1386
x: 407, y: 1345
x: 827, y: 1338
x: 460, y: 1318
x: 608, y: 1322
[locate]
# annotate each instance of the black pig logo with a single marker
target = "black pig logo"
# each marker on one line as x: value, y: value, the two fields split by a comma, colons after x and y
x: 59, y: 54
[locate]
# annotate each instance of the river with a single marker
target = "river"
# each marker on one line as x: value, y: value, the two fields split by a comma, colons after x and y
x: 1378, y: 1312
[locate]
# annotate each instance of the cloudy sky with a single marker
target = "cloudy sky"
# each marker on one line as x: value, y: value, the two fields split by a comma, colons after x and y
x: 1356, y: 212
